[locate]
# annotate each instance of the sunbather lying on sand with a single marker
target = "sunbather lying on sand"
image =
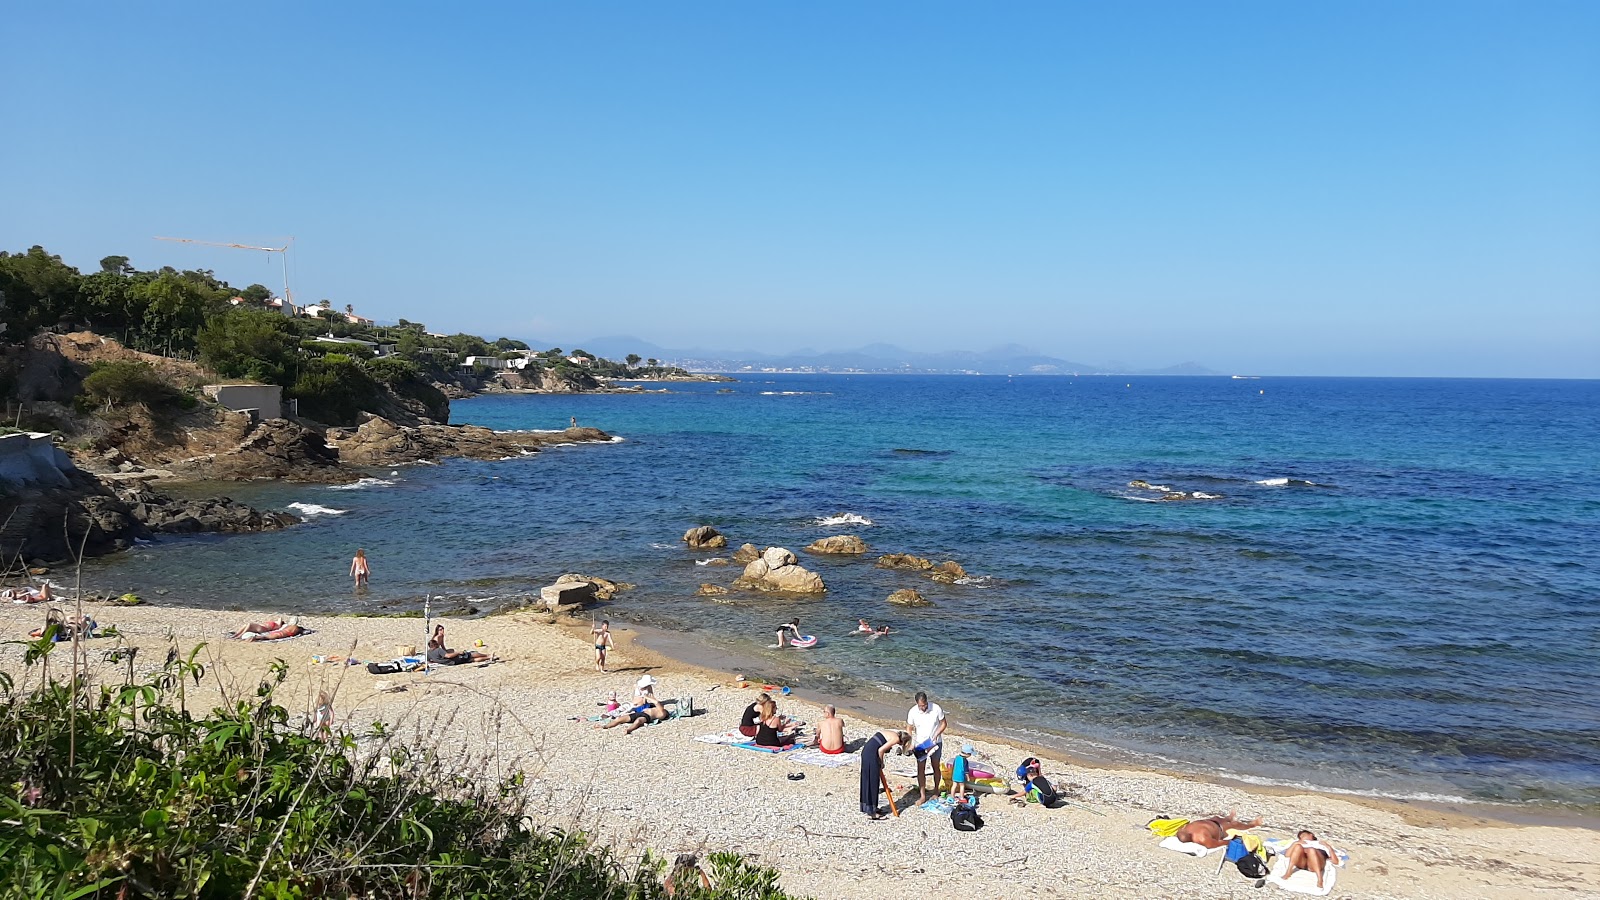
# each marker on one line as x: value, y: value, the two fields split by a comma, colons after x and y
x: 639, y: 716
x: 1213, y: 832
x: 270, y: 630
x: 38, y: 594
x: 82, y: 626
x: 1310, y: 854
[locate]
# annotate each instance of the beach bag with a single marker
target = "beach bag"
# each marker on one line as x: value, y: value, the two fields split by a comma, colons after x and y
x: 378, y: 668
x: 965, y: 818
x: 1249, y: 865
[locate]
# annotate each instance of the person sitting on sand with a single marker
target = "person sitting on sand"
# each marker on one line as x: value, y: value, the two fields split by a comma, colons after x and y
x: 770, y: 729
x: 1310, y: 854
x: 65, y: 629
x: 686, y: 877
x: 752, y: 714
x: 651, y: 710
x: 830, y: 732
x: 1213, y: 832
x: 270, y: 630
x: 440, y: 655
x: 872, y: 777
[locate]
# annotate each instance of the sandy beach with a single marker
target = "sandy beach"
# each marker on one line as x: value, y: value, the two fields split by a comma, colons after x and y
x: 661, y: 789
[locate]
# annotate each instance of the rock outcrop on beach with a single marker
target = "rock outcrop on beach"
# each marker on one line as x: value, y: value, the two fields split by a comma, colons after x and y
x: 380, y: 442
x: 746, y: 553
x: 704, y: 537
x: 838, y: 545
x: 169, y: 515
x: 909, y: 597
x: 604, y: 589
x: 777, y: 571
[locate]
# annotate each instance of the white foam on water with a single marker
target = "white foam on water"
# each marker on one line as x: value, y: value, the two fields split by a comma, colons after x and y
x: 311, y: 509
x: 658, y: 546
x: 796, y: 393
x: 707, y: 562
x: 975, y: 581
x: 1140, y: 499
x: 1273, y: 482
x: 1202, y: 495
x: 843, y: 519
x: 358, y: 485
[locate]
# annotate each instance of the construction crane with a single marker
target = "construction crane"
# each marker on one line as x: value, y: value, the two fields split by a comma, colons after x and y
x: 288, y: 298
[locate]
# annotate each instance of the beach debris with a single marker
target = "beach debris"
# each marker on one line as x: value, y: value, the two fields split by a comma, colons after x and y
x: 839, y: 544
x: 704, y: 537
x: 909, y: 597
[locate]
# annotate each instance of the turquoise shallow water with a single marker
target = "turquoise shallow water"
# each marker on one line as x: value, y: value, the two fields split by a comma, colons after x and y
x: 1394, y: 590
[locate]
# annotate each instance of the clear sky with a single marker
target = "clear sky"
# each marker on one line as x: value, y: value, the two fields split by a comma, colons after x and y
x: 1341, y: 188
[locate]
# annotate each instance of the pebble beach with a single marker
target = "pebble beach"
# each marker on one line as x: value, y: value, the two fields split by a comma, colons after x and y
x: 660, y: 789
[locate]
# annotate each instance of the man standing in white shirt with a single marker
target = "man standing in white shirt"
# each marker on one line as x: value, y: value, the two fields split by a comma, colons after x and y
x: 927, y: 740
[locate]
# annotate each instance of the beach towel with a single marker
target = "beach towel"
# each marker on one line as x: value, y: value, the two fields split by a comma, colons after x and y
x: 811, y: 756
x: 273, y: 640
x: 939, y: 805
x: 731, y: 736
x: 1303, y: 881
x: 1161, y: 827
x: 752, y: 745
x: 1189, y: 848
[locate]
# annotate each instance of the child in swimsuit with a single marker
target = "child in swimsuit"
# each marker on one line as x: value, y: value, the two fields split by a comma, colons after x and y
x: 602, y: 643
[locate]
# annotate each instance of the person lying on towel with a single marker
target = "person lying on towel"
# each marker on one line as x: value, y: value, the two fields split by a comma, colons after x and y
x: 1310, y: 854
x: 270, y: 630
x: 1213, y: 832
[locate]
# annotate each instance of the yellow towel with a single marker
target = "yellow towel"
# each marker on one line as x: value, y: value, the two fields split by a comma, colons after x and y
x: 1165, y: 827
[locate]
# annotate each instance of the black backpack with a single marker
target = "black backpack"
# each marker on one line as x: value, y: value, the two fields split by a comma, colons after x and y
x: 382, y: 668
x: 1251, y: 866
x: 965, y: 818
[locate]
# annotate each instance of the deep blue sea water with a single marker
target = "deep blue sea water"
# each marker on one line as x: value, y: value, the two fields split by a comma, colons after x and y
x: 1395, y: 590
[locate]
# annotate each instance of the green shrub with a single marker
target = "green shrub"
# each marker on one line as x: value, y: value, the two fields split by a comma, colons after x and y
x: 322, y: 348
x: 334, y: 389
x: 126, y: 381
x: 124, y: 792
x: 392, y: 370
x: 248, y: 343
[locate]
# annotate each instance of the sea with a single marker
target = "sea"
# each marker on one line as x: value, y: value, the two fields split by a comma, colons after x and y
x: 1386, y: 587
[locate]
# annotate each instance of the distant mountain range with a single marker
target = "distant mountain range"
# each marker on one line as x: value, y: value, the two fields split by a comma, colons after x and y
x: 1007, y: 359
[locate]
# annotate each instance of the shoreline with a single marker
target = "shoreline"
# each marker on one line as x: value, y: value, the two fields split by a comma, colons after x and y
x: 661, y: 790
x: 654, y: 641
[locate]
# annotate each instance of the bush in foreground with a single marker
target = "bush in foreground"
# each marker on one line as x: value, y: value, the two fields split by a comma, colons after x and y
x: 122, y: 793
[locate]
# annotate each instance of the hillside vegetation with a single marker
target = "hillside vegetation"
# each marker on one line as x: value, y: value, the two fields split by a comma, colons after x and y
x: 188, y: 315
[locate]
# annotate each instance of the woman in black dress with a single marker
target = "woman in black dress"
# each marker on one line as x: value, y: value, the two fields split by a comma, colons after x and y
x: 872, y: 756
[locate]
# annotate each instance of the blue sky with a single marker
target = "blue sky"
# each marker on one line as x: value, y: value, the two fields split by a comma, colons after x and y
x: 1389, y: 188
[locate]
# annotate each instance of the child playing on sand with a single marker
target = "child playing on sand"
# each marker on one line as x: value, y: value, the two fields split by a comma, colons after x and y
x: 960, y: 775
x: 602, y: 643
x: 359, y: 570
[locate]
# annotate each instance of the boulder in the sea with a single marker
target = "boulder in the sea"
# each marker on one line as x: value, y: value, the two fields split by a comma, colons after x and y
x: 1141, y: 484
x: 704, y: 537
x: 909, y: 597
x: 776, y: 571
x: 904, y: 561
x: 838, y: 545
x: 711, y: 590
x: 716, y: 561
x: 746, y: 553
x: 604, y: 589
x: 947, y: 572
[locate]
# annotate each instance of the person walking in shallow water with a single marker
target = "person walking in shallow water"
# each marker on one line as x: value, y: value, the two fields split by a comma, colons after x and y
x: 359, y: 569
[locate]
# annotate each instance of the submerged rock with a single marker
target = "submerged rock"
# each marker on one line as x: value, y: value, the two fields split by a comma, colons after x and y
x: 947, y: 572
x: 904, y: 561
x: 711, y: 590
x: 838, y: 545
x: 909, y: 597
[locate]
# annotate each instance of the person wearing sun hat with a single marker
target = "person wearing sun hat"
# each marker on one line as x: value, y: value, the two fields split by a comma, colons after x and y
x: 645, y: 688
x: 961, y: 774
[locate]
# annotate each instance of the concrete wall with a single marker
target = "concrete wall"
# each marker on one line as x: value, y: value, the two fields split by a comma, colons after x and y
x: 266, y: 399
x: 33, y: 458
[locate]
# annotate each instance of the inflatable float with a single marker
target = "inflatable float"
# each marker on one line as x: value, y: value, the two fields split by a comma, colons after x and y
x: 802, y: 642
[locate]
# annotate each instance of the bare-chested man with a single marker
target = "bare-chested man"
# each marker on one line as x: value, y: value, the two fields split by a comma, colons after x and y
x: 1213, y: 832
x: 830, y: 732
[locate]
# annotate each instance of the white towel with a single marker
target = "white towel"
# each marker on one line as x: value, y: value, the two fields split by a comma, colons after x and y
x: 815, y: 757
x: 1303, y: 881
x: 1187, y: 847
